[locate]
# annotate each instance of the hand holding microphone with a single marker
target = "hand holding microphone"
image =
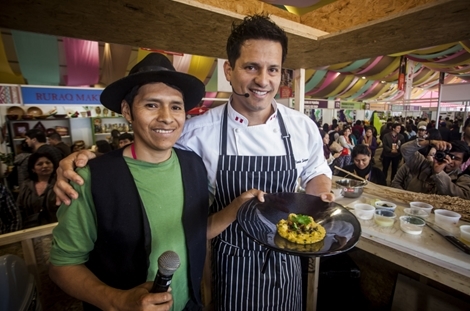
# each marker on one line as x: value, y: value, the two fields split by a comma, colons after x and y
x: 168, y: 262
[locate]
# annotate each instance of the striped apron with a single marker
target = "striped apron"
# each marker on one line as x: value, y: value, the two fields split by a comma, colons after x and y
x: 237, y: 260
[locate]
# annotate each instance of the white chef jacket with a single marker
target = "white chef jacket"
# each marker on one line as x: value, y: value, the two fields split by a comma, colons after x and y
x: 202, y: 135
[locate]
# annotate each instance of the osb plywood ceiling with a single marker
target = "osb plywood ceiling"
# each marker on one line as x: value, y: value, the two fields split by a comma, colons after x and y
x: 340, y: 31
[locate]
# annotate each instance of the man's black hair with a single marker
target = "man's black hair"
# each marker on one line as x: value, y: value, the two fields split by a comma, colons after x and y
x: 257, y: 27
x: 55, y: 136
x: 36, y: 133
x: 467, y: 123
x: 125, y: 136
x: 460, y: 146
x: 360, y: 149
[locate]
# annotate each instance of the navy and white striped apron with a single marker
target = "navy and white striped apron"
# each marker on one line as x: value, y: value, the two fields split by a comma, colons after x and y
x: 237, y: 260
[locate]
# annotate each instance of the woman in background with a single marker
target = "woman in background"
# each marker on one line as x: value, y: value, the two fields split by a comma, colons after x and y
x: 36, y: 199
x: 330, y: 157
x: 369, y: 140
x: 345, y: 140
x: 362, y: 166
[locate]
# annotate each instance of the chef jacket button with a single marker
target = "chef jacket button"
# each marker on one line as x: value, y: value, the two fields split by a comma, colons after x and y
x: 236, y: 130
x: 275, y: 130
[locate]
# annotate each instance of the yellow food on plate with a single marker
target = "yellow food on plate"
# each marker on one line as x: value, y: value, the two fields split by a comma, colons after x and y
x: 300, y: 229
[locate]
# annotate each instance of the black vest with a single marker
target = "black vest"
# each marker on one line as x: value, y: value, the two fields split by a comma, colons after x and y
x: 120, y: 257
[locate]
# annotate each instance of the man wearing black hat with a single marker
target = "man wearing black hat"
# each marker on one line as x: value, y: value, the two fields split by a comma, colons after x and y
x: 138, y: 202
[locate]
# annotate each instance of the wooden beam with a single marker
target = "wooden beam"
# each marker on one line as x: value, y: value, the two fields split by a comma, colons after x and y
x: 344, y: 14
x: 184, y: 26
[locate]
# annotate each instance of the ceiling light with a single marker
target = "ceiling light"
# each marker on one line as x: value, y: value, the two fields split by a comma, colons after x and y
x: 363, y: 77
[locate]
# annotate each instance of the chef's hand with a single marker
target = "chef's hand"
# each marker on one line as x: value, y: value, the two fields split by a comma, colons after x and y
x: 66, y: 172
x: 139, y: 298
x: 327, y: 197
x: 250, y: 194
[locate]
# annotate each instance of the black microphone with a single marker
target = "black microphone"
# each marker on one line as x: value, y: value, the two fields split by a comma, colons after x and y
x: 233, y: 91
x: 168, y: 262
x: 246, y: 94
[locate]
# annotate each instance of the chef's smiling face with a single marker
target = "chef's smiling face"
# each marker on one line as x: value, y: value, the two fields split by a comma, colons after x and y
x: 257, y: 72
x: 157, y: 118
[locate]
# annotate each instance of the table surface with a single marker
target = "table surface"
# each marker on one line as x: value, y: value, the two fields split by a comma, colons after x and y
x: 428, y: 246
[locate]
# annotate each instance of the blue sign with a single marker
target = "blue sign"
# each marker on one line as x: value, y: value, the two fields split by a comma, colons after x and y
x: 60, y: 96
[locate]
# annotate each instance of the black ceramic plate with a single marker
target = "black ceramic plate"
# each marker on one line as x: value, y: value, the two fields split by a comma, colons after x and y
x: 259, y: 220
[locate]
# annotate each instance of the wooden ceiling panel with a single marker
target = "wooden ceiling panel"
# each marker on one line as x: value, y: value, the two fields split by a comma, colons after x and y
x: 189, y: 26
x: 344, y: 14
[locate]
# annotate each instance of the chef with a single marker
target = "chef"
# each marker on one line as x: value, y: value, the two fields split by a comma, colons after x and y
x: 253, y: 142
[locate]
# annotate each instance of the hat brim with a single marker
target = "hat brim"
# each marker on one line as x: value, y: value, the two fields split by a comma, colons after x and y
x: 192, y: 88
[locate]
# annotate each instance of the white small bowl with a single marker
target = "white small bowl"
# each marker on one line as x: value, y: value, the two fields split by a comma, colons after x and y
x: 385, y: 205
x: 415, y: 212
x: 384, y: 217
x: 465, y: 233
x: 412, y: 225
x: 422, y: 206
x: 446, y: 217
x: 364, y: 211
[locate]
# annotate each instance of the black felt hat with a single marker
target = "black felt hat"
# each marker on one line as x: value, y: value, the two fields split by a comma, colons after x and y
x: 154, y: 67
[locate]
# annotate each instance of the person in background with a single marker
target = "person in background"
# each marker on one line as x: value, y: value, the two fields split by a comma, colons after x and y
x: 56, y: 140
x: 362, y: 166
x: 440, y: 176
x: 78, y: 145
x: 403, y: 177
x: 386, y: 128
x: 409, y: 132
x: 249, y: 131
x: 422, y: 132
x: 125, y: 139
x: 330, y: 156
x: 423, y: 122
x: 369, y: 140
x: 445, y: 131
x: 114, y: 139
x: 10, y: 216
x: 102, y: 147
x: 455, y: 132
x: 346, y: 139
x: 21, y: 162
x: 334, y: 132
x: 358, y: 129
x: 36, y: 199
x: 466, y: 138
x: 36, y: 140
x: 391, y: 150
x: 326, y: 127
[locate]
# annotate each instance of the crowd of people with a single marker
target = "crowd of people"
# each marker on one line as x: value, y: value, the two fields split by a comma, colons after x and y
x: 423, y: 159
x: 29, y: 200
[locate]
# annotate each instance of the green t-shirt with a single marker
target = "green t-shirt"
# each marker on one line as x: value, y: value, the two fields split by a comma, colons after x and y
x: 161, y: 190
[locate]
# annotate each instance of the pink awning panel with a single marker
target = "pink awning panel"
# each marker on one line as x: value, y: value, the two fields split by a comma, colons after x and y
x: 83, y: 62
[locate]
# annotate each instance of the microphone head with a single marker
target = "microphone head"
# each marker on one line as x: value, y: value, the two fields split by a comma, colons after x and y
x: 168, y: 262
x: 247, y: 95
